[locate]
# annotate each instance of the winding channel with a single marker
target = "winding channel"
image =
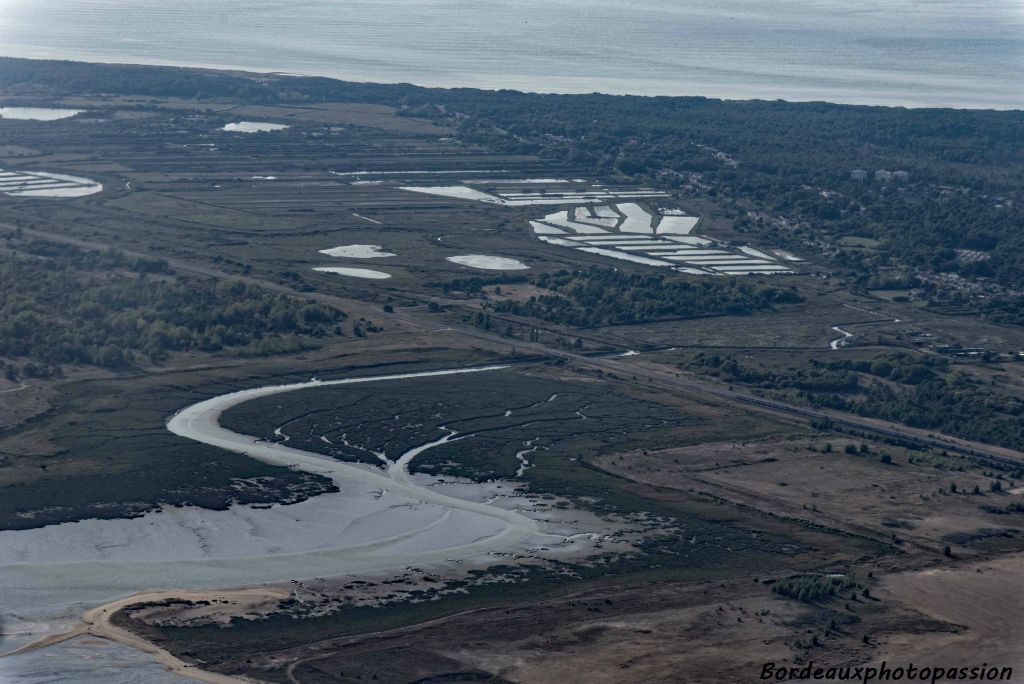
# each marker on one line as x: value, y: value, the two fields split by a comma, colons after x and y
x: 410, y: 525
x: 838, y: 342
x: 199, y: 422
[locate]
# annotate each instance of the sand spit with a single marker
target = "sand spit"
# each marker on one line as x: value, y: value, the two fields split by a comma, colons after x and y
x: 357, y: 252
x: 365, y: 273
x: 97, y: 622
x: 488, y: 263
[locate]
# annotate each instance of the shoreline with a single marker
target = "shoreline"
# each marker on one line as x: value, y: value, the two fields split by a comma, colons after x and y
x: 792, y: 97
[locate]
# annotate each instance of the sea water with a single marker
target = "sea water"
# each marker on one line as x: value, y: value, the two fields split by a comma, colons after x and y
x: 894, y: 52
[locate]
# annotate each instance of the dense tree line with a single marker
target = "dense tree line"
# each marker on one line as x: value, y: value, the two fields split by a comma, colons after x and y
x: 64, y: 305
x: 919, y: 391
x: 89, y: 259
x: 605, y: 296
x: 814, y: 588
x: 1008, y: 509
x: 475, y: 284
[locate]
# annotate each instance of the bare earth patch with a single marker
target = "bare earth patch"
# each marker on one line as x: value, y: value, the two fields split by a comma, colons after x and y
x: 982, y: 598
x: 857, y: 492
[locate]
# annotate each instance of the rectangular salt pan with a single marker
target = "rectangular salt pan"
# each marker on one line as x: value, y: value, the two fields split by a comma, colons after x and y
x: 705, y: 252
x: 678, y: 225
x: 561, y: 219
x: 756, y: 253
x: 637, y: 220
x: 682, y: 254
x: 688, y: 239
x: 635, y: 258
x: 601, y: 222
x: 707, y: 261
x: 636, y: 245
x: 46, y: 184
x: 456, y: 191
x: 783, y: 254
x: 582, y: 215
x: 608, y: 238
x: 541, y: 228
x: 702, y: 263
x: 672, y: 247
x: 514, y: 181
x: 759, y: 268
x: 556, y: 241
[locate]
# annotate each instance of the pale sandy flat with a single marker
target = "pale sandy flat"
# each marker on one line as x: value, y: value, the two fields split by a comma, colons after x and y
x: 488, y: 263
x: 253, y: 127
x: 357, y: 252
x: 354, y: 272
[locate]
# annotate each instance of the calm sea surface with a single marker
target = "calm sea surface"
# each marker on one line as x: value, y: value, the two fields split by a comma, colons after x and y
x: 900, y: 52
